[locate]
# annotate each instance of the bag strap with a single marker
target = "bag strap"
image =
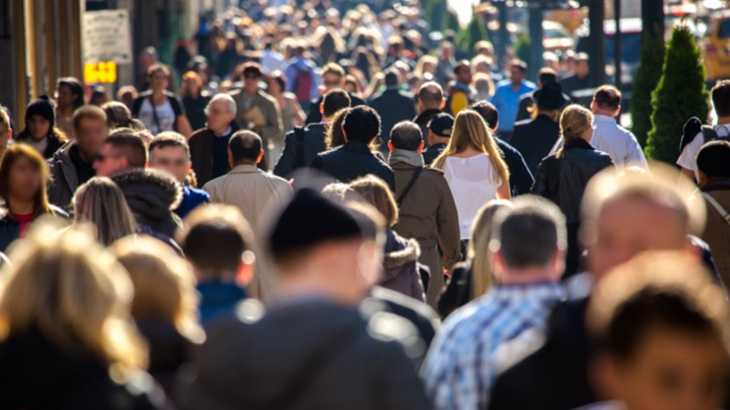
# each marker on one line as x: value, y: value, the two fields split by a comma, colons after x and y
x: 412, y: 182
x: 708, y: 133
x: 155, y: 118
x: 725, y: 215
x: 299, y: 156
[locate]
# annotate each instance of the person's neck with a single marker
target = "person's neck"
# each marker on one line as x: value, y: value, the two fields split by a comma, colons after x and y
x: 242, y: 163
x: 516, y: 85
x: 157, y: 94
x: 20, y: 207
x: 723, y: 120
x: 604, y: 113
x: 220, y: 130
x: 312, y: 286
x: 220, y: 277
x: 526, y: 276
x: 65, y: 111
x: 437, y: 141
x: 430, y: 109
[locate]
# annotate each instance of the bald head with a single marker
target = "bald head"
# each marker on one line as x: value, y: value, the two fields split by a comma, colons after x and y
x: 244, y: 147
x: 606, y: 101
x: 430, y: 96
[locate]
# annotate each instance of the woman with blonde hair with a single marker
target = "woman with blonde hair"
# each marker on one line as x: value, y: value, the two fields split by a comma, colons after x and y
x: 400, y: 264
x: 66, y: 336
x: 334, y: 136
x: 101, y: 203
x: 474, y: 169
x: 165, y: 303
x: 472, y: 279
x: 562, y: 177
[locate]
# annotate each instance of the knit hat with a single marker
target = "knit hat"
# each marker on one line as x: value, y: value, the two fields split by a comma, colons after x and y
x: 441, y: 124
x: 43, y: 106
x: 310, y: 218
x: 550, y: 96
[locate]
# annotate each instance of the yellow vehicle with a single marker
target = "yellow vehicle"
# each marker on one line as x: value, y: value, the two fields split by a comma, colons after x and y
x: 717, y: 47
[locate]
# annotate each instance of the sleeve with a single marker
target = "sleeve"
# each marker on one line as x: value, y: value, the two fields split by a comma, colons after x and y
x: 520, y: 177
x: 447, y: 222
x: 688, y: 158
x: 285, y: 164
x: 290, y: 73
x: 540, y: 187
x: 496, y: 99
x: 210, y: 189
x: 634, y: 153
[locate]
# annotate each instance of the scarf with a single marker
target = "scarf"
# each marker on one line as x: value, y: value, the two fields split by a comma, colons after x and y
x: 407, y: 157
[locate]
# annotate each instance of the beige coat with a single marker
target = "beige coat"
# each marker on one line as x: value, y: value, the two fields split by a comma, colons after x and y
x: 717, y: 231
x: 265, y: 115
x: 259, y: 196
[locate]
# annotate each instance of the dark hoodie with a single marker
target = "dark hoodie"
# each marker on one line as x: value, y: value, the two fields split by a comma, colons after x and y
x: 305, y: 355
x: 35, y: 374
x: 152, y: 196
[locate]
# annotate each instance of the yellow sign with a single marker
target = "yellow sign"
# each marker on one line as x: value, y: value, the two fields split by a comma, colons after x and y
x: 105, y: 72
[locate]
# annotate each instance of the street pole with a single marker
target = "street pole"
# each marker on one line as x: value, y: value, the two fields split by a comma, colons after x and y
x: 596, y: 43
x: 617, y: 40
x: 652, y: 18
x: 536, y: 33
x: 502, y: 35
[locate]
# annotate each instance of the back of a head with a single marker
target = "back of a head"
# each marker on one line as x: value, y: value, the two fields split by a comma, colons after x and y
x: 73, y: 291
x: 131, y: 146
x: 335, y: 100
x: 657, y: 291
x: 391, y: 77
x: 245, y: 146
x: 406, y: 135
x: 721, y: 98
x: 215, y: 239
x: 574, y: 121
x: 167, y: 139
x: 118, y: 115
x: 431, y: 95
x: 546, y: 74
x: 101, y: 203
x: 607, y: 97
x: 164, y: 285
x: 713, y: 159
x: 529, y: 233
x: 361, y: 124
x: 488, y: 112
x: 373, y: 191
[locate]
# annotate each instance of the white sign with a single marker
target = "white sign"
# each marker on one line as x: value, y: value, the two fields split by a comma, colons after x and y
x: 106, y: 37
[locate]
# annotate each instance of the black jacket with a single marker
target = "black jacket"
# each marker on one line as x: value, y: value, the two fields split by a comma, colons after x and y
x: 423, y: 119
x: 351, y: 161
x: 35, y: 375
x: 534, y: 139
x: 10, y: 228
x: 152, y: 196
x: 432, y: 152
x: 556, y: 375
x: 305, y: 355
x: 313, y: 144
x: 315, y: 116
x: 54, y: 142
x: 526, y: 101
x: 393, y: 106
x: 168, y: 351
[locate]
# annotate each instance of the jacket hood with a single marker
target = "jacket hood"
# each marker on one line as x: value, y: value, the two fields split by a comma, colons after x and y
x: 398, y: 252
x: 149, y: 192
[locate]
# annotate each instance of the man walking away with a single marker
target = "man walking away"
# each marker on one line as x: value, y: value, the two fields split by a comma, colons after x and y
x: 439, y: 134
x: 302, y: 145
x: 608, y: 136
x: 427, y: 211
x: 392, y: 105
x: 528, y: 249
x: 430, y: 102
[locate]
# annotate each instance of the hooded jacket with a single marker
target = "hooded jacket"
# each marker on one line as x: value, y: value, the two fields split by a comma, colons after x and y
x: 305, y: 355
x: 152, y: 196
x: 400, y: 266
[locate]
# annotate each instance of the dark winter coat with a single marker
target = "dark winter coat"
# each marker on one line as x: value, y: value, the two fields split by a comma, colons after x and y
x: 37, y: 375
x: 306, y: 355
x: 64, y: 178
x: 351, y: 161
x: 10, y: 228
x: 400, y: 266
x: 201, y: 153
x: 458, y: 290
x: 195, y: 110
x: 314, y: 144
x: 393, y: 106
x: 168, y: 350
x: 422, y: 121
x: 217, y: 299
x: 534, y: 139
x: 152, y: 196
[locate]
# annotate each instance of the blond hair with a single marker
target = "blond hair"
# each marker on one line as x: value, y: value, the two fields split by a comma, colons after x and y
x: 574, y: 121
x: 470, y: 130
x: 373, y: 191
x: 70, y: 289
x: 102, y: 203
x: 164, y: 284
x: 481, y: 234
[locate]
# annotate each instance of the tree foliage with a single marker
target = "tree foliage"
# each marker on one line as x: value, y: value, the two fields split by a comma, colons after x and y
x: 680, y: 94
x: 647, y: 78
x: 522, y: 46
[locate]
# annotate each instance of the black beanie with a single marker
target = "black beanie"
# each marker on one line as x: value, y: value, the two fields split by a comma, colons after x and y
x: 310, y: 218
x: 43, y: 106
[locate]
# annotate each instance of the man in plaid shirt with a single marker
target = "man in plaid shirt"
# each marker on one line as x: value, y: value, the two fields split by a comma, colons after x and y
x: 528, y: 253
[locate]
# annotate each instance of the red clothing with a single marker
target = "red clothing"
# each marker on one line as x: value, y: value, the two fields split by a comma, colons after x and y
x: 24, y: 222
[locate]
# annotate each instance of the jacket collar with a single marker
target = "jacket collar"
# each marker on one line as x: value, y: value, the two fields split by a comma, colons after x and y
x: 720, y: 184
x: 356, y: 146
x: 426, y: 114
x: 245, y: 169
x: 578, y: 143
x: 407, y: 157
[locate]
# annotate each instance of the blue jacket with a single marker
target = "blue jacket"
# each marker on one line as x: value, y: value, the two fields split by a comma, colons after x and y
x: 218, y: 299
x: 192, y: 198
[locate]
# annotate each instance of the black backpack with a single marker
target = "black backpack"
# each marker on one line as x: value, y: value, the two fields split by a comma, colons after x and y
x: 694, y: 126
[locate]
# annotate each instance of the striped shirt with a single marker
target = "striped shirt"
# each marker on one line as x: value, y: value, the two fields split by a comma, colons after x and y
x: 463, y: 362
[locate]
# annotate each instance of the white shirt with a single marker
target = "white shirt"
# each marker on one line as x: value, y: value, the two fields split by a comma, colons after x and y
x: 617, y: 142
x: 473, y: 183
x: 688, y: 158
x: 165, y: 116
x: 271, y: 61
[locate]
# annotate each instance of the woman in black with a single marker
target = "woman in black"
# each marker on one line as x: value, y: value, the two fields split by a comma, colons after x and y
x: 40, y: 131
x: 562, y: 177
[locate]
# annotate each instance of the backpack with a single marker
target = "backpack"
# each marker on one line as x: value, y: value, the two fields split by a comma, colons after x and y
x: 303, y: 84
x: 694, y: 126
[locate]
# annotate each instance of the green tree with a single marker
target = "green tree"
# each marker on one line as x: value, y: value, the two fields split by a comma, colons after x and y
x: 647, y: 78
x: 522, y: 46
x: 680, y: 94
x: 467, y: 37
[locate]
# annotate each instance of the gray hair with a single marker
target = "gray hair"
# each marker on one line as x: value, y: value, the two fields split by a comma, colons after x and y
x: 230, y: 103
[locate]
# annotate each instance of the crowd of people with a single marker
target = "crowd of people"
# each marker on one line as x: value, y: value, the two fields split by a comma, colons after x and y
x: 337, y: 211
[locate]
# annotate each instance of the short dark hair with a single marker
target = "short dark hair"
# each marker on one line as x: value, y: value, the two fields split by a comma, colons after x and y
x: 335, y: 100
x: 519, y: 64
x: 713, y: 159
x: 461, y: 64
x: 214, y: 238
x: 431, y: 94
x: 155, y: 68
x: 721, y: 98
x: 169, y: 139
x: 488, y: 112
x: 391, y: 77
x: 253, y: 69
x: 546, y: 74
x: 406, y: 135
x: 607, y: 97
x: 361, y: 124
x: 131, y: 146
x: 88, y: 112
x: 245, y: 146
x: 529, y: 233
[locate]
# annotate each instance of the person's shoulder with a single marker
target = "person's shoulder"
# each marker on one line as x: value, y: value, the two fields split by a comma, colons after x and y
x: 199, y: 134
x: 198, y: 193
x: 524, y: 123
x: 501, y: 85
x: 433, y: 172
x: 59, y: 212
x: 267, y: 97
x: 144, y: 94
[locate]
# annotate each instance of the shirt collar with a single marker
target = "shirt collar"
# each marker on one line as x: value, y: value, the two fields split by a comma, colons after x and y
x: 538, y: 291
x: 245, y: 169
x: 603, y: 118
x: 225, y: 133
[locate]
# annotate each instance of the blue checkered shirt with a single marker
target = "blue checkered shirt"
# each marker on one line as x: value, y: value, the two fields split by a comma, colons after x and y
x: 461, y: 365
